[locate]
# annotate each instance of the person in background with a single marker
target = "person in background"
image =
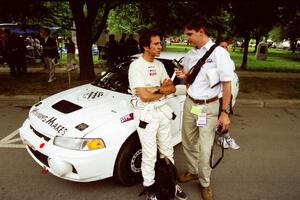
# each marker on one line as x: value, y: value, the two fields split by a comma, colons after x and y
x: 122, y: 45
x: 131, y: 46
x: 50, y: 52
x: 201, y: 106
x: 112, y: 51
x: 225, y: 139
x: 71, y: 54
x: 22, y: 51
x: 14, y: 51
x: 150, y: 84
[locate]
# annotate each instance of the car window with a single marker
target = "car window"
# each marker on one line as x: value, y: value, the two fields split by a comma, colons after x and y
x: 116, y: 79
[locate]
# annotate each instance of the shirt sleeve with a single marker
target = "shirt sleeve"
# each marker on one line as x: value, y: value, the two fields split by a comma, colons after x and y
x: 135, y: 76
x: 225, y: 65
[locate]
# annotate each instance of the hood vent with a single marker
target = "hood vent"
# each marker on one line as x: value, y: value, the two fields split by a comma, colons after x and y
x: 66, y: 107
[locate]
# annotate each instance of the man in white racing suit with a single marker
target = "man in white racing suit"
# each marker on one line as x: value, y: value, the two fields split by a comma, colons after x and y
x: 150, y: 84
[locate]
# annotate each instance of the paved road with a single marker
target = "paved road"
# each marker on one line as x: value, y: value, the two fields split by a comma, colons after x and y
x: 266, y: 167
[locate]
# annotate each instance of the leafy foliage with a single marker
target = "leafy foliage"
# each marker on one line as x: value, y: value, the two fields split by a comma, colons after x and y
x: 126, y: 18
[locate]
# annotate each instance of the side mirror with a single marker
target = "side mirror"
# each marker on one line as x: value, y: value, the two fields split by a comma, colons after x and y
x: 180, y: 89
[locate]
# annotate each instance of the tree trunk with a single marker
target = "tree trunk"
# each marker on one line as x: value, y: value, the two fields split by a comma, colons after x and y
x: 245, y: 56
x: 83, y: 34
x: 257, y: 40
x: 293, y: 43
x: 85, y: 54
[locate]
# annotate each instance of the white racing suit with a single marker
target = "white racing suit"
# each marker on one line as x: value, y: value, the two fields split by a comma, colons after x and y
x: 154, y: 132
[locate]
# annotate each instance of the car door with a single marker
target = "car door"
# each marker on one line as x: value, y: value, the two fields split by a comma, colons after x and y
x: 175, y: 101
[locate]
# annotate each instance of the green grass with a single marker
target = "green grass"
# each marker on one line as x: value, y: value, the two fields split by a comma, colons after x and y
x: 178, y: 48
x: 63, y: 59
x: 277, y: 59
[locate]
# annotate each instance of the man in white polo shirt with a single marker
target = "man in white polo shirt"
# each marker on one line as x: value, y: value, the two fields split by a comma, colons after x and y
x: 201, y: 107
x: 150, y: 83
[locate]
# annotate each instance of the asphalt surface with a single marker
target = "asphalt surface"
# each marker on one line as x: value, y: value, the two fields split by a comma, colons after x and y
x: 266, y: 167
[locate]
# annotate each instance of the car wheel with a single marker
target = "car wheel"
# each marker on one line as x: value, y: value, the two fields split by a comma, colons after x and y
x: 128, y: 164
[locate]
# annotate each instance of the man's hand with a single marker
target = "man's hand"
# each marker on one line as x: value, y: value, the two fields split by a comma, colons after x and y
x: 180, y: 74
x: 167, y: 87
x: 224, y: 121
x: 167, y: 82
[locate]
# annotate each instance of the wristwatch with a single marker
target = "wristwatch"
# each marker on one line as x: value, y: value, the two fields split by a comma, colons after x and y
x: 158, y: 90
x: 226, y: 110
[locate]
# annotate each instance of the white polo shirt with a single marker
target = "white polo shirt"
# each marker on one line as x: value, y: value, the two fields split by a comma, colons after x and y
x: 219, y: 59
x: 145, y: 74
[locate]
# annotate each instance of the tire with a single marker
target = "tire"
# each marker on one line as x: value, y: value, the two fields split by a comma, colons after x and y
x: 128, y: 164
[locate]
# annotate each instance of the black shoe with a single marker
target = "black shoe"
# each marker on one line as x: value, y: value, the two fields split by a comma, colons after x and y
x: 179, y: 193
x: 150, y: 194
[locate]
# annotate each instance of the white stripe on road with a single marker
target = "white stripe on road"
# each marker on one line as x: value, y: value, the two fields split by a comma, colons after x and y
x: 8, y: 141
x: 13, y: 140
x: 10, y: 136
x: 15, y: 146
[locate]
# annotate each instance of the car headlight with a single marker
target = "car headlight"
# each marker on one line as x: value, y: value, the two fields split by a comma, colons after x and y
x: 81, y: 144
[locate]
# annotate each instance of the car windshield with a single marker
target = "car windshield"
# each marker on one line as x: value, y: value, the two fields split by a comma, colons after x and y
x: 116, y: 79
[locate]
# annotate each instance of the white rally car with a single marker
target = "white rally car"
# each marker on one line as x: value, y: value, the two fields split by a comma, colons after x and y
x: 88, y: 133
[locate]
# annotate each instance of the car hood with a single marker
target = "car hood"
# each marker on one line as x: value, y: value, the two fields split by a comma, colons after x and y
x: 78, y: 111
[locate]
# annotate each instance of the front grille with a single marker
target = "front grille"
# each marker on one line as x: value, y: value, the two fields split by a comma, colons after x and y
x: 41, y: 157
x: 40, y: 134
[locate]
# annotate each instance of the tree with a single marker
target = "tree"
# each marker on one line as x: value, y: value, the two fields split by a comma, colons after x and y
x: 289, y: 14
x: 20, y: 11
x: 252, y: 18
x: 126, y: 18
x: 88, y: 29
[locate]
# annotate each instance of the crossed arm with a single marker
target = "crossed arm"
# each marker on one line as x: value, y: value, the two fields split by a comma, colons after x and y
x: 148, y: 94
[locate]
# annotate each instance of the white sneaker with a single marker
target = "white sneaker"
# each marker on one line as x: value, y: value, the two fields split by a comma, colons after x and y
x: 232, y: 144
x: 51, y: 80
x: 222, y: 140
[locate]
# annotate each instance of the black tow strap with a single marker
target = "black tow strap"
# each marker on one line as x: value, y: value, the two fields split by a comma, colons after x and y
x: 211, y: 155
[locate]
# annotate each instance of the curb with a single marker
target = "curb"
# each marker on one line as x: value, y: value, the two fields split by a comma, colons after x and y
x: 33, y: 98
x: 252, y: 103
x: 268, y: 103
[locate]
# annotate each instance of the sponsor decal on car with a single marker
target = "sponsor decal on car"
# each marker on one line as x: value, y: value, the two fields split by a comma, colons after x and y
x: 127, y: 118
x: 50, y: 121
x: 91, y: 95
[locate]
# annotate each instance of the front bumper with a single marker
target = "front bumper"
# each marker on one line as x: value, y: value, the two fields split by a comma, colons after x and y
x: 79, y: 166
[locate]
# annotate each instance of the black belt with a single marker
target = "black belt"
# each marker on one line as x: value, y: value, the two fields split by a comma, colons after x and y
x: 203, y: 101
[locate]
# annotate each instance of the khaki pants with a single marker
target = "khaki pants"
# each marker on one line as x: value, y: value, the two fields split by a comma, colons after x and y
x: 70, y: 59
x: 155, y: 136
x: 197, y: 141
x: 50, y: 63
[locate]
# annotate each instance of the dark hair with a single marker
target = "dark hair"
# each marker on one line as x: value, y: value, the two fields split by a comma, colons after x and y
x: 196, y: 24
x: 221, y: 39
x: 47, y: 30
x: 145, y: 38
x: 7, y: 31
